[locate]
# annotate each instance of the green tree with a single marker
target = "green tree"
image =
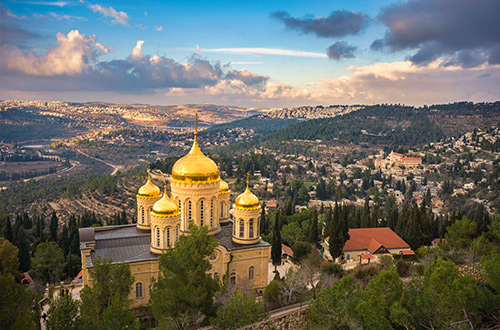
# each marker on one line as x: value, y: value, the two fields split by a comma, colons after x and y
x: 336, y: 307
x: 9, y: 263
x: 242, y: 309
x: 63, y: 313
x: 104, y: 304
x: 460, y: 234
x: 276, y: 243
x: 18, y: 307
x: 54, y: 223
x: 264, y: 221
x: 300, y: 250
x: 337, y: 235
x: 48, y: 262
x: 313, y: 237
x: 184, y: 291
x: 271, y: 295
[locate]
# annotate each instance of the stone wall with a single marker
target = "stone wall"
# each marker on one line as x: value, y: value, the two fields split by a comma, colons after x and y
x: 296, y: 320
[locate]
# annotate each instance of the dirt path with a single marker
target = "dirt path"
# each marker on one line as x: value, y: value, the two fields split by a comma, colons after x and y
x: 116, y: 168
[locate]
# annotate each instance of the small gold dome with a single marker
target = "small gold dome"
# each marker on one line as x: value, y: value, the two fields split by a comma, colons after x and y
x: 247, y: 200
x: 195, y: 166
x: 149, y: 190
x: 165, y: 207
x: 224, y: 187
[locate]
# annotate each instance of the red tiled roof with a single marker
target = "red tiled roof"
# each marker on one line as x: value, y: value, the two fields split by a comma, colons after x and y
x: 408, y: 252
x: 361, y: 239
x: 396, y: 154
x: 412, y: 158
x: 286, y: 250
x: 374, y: 245
x: 366, y: 255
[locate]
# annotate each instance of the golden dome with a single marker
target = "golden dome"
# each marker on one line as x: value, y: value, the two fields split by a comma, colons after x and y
x: 149, y: 190
x: 247, y: 200
x: 165, y: 207
x: 195, y: 166
x: 224, y: 187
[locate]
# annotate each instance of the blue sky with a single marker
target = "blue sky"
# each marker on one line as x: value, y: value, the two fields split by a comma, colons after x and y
x: 251, y: 53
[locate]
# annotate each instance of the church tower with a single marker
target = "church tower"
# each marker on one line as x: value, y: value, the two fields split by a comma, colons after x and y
x: 165, y: 224
x: 195, y: 187
x: 246, y: 212
x: 146, y: 197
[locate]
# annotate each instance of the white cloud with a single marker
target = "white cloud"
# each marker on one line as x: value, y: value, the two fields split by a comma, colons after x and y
x: 137, y: 51
x: 70, y: 56
x: 158, y: 28
x: 66, y: 17
x: 47, y: 3
x: 119, y: 17
x: 265, y: 51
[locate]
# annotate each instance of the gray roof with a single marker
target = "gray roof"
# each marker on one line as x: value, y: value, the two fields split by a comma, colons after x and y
x: 126, y: 243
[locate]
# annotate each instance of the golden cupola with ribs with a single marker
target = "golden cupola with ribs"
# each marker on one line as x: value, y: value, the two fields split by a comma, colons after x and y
x: 246, y: 213
x: 165, y: 224
x: 195, y: 187
x: 147, y: 196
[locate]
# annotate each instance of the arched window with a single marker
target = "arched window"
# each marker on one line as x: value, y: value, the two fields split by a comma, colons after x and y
x: 250, y: 228
x: 142, y: 214
x: 250, y: 273
x: 157, y: 237
x: 242, y: 228
x: 138, y: 290
x: 179, y: 204
x: 222, y: 210
x: 232, y: 278
x: 168, y: 236
x: 201, y: 213
x: 348, y: 257
x: 211, y: 213
x: 189, y: 210
x: 234, y: 228
x: 176, y: 232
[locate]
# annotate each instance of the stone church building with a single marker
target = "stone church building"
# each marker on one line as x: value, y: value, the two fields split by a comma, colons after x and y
x: 198, y: 195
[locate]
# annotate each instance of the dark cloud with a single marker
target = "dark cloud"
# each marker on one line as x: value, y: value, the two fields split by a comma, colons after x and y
x: 339, y: 23
x: 12, y: 32
x: 464, y: 32
x: 340, y: 50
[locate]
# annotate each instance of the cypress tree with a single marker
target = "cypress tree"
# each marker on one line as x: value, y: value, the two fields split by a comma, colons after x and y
x: 336, y: 241
x: 313, y: 229
x: 365, y: 221
x: 8, y: 230
x: 53, y: 227
x: 264, y: 224
x: 276, y: 243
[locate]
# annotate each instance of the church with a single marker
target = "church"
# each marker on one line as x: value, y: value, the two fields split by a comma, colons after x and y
x: 198, y: 195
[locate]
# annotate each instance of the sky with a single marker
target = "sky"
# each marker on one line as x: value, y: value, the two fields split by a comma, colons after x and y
x: 251, y: 53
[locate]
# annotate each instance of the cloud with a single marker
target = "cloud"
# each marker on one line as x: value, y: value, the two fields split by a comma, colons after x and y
x: 137, y: 51
x: 72, y: 54
x: 338, y: 24
x: 340, y: 50
x: 47, y: 3
x: 158, y: 28
x: 462, y: 32
x: 118, y: 17
x: 66, y: 17
x: 11, y: 32
x: 405, y: 82
x: 264, y: 51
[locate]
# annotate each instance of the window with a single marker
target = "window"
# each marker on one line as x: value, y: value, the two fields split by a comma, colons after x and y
x: 176, y: 232
x: 222, y: 210
x: 216, y: 276
x: 168, y: 236
x: 211, y: 213
x: 232, y: 278
x: 250, y: 228
x: 234, y: 228
x: 179, y: 204
x: 201, y: 213
x: 189, y: 210
x: 138, y: 290
x: 348, y: 257
x: 142, y: 214
x: 157, y: 237
x: 242, y: 228
x: 250, y: 273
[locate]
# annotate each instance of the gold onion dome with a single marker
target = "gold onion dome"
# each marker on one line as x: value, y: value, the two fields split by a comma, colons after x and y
x: 195, y: 166
x: 165, y: 206
x: 224, y: 187
x: 149, y: 190
x: 247, y: 200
